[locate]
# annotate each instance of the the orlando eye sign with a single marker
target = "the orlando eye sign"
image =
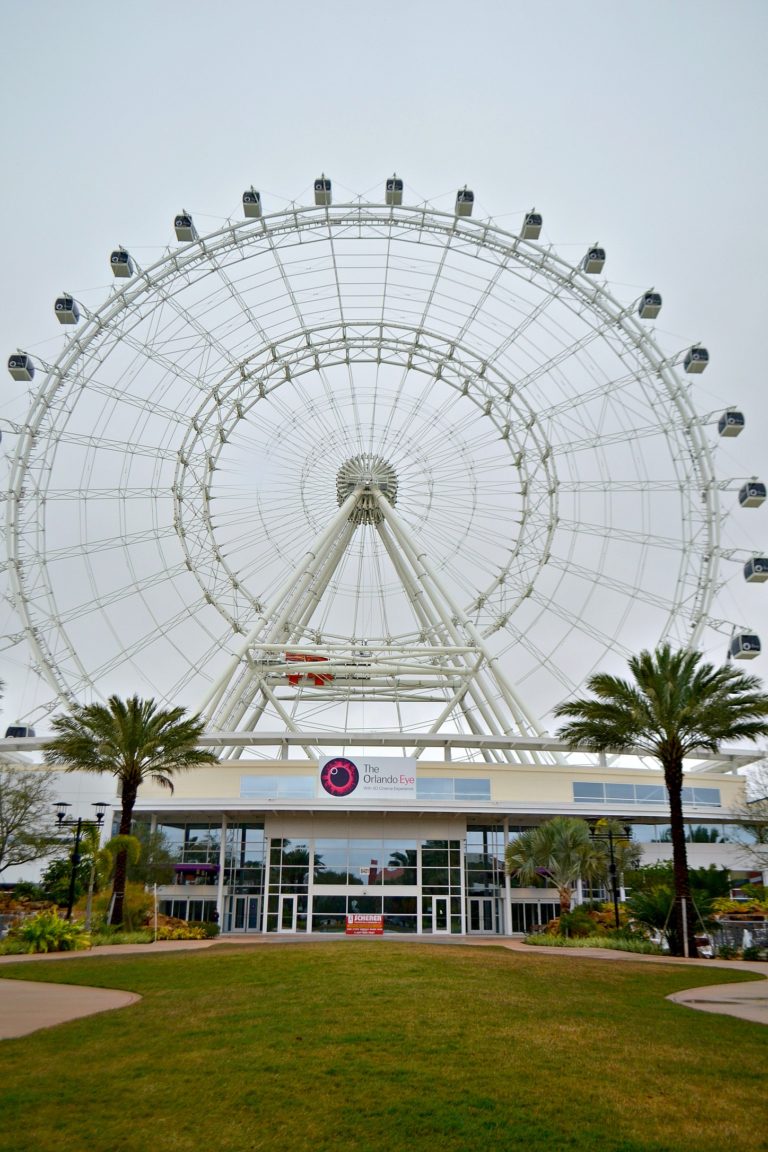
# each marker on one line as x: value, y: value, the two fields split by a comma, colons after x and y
x: 368, y: 778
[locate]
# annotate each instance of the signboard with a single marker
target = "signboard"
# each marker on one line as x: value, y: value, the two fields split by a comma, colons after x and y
x: 368, y: 778
x: 364, y: 924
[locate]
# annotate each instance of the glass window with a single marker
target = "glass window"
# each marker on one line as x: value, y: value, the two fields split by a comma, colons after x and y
x: 329, y: 904
x: 434, y: 879
x: 620, y: 792
x: 450, y: 788
x: 328, y: 921
x: 295, y: 786
x: 174, y: 834
x: 276, y: 787
x: 400, y: 857
x: 650, y: 794
x: 433, y: 788
x: 707, y: 796
x: 364, y: 904
x: 585, y: 791
x: 366, y: 860
x: 472, y: 789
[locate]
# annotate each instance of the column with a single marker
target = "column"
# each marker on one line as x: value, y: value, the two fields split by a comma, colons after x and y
x: 222, y: 862
x: 507, y: 884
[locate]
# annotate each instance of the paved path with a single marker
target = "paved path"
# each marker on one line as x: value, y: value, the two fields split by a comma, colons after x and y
x: 28, y: 1005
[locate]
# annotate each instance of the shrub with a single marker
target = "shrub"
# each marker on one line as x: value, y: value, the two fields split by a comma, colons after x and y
x: 185, y: 931
x: 577, y: 923
x: 26, y: 890
x: 114, y: 936
x: 616, y: 943
x: 210, y: 929
x: 11, y: 947
x: 727, y: 952
x: 47, y: 932
x: 137, y: 908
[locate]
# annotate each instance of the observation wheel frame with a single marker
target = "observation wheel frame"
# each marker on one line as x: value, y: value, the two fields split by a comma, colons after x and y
x: 212, y: 387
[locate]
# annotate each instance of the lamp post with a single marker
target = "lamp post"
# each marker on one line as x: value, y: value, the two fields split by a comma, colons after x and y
x: 79, y: 825
x: 607, y: 836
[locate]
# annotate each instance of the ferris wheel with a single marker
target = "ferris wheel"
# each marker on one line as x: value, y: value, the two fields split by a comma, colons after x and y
x: 360, y: 465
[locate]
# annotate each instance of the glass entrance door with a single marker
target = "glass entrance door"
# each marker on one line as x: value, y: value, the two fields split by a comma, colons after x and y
x: 245, y: 914
x: 482, y: 914
x: 286, y: 920
x: 440, y: 921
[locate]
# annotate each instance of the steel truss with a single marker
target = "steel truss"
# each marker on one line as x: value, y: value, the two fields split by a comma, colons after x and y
x: 554, y: 482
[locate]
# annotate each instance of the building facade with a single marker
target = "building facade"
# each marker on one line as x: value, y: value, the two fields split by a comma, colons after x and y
x: 263, y: 846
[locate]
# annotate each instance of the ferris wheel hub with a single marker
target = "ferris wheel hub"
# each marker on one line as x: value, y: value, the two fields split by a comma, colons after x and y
x: 374, y: 473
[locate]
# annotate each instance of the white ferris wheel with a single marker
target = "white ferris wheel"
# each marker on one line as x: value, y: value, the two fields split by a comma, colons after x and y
x: 361, y: 467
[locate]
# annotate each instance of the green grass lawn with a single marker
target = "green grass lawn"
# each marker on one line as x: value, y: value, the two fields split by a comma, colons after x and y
x: 382, y: 1047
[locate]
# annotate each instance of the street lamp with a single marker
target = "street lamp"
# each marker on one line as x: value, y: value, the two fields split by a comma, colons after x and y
x: 78, y: 825
x: 604, y: 837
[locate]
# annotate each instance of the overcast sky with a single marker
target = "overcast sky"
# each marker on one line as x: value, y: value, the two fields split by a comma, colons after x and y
x: 642, y: 126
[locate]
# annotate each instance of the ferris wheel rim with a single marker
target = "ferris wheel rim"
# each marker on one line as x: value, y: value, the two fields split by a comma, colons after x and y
x: 481, y: 234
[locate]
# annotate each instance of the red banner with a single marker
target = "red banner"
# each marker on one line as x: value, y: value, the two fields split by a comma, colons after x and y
x: 364, y: 924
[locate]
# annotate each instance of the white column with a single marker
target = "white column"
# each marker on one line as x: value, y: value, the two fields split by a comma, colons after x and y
x: 222, y: 861
x: 507, y: 884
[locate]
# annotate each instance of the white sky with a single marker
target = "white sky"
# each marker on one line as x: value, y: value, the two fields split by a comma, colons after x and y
x: 641, y: 126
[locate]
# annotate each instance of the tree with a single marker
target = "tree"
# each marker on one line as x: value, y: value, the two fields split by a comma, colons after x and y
x: 753, y: 814
x: 55, y: 880
x: 155, y: 864
x: 561, y: 851
x: 675, y: 705
x: 653, y: 897
x: 132, y: 740
x: 26, y: 816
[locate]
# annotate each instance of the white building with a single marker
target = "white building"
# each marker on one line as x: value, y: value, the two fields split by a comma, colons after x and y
x: 421, y: 843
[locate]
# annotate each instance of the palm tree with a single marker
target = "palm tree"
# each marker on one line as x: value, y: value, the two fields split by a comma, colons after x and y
x: 561, y: 851
x: 132, y: 740
x: 675, y: 705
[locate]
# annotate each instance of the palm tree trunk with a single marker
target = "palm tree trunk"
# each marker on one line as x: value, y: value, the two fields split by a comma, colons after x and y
x: 685, y: 928
x: 121, y: 863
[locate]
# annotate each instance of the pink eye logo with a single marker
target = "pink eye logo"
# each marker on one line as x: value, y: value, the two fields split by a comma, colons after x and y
x: 339, y: 777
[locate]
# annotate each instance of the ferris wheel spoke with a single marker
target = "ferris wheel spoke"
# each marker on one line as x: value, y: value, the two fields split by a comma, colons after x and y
x: 544, y: 463
x: 581, y: 624
x: 109, y: 544
x: 146, y: 640
x: 616, y: 532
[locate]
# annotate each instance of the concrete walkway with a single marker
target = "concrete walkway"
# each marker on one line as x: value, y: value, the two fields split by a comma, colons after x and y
x: 747, y: 1001
x: 27, y: 1005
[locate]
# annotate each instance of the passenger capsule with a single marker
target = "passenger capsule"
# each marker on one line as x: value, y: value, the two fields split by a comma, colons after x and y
x: 252, y: 204
x: 649, y: 306
x: 756, y: 570
x: 745, y: 646
x: 66, y: 309
x: 121, y: 264
x: 696, y: 359
x: 464, y: 201
x: 752, y: 494
x: 323, y: 192
x: 593, y: 261
x: 731, y: 423
x: 21, y: 367
x: 532, y: 222
x: 185, y: 229
x: 393, y: 191
x: 19, y: 732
